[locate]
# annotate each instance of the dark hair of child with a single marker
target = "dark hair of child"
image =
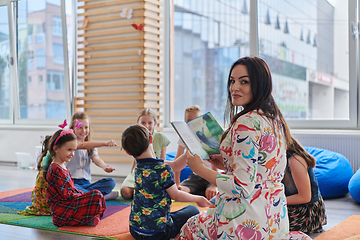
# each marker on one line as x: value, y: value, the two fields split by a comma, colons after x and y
x: 135, y: 139
x: 61, y: 141
x: 81, y: 116
x: 296, y: 148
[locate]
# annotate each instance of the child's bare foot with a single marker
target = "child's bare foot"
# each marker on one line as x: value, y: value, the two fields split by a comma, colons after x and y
x: 111, y: 195
x: 95, y: 221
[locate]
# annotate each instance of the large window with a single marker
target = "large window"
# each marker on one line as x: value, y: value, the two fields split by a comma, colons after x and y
x: 4, y: 64
x: 307, y: 45
x: 209, y: 36
x: 37, y: 63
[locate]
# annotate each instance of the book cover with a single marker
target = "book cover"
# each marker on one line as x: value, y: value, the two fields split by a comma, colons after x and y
x: 201, y: 135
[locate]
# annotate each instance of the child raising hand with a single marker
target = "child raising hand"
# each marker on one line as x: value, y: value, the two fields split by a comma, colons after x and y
x: 39, y: 206
x: 79, y: 166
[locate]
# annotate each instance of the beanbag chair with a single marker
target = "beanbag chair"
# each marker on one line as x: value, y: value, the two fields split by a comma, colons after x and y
x: 354, y: 186
x: 184, y: 174
x: 333, y: 172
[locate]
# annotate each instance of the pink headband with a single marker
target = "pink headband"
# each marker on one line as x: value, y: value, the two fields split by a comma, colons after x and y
x: 69, y: 131
x: 63, y: 133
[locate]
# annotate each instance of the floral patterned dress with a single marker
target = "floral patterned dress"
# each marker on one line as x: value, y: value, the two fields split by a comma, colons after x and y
x: 251, y: 202
x: 39, y: 206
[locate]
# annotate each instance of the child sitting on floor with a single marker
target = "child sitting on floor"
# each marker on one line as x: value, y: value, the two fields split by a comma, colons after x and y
x: 147, y: 118
x: 39, y: 206
x: 69, y: 206
x: 79, y: 166
x: 194, y: 184
x: 150, y: 215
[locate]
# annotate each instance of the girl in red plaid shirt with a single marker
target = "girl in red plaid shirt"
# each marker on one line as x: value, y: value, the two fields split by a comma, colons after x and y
x: 69, y: 206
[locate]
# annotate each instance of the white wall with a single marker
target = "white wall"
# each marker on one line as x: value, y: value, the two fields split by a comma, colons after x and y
x: 24, y: 139
x: 20, y: 139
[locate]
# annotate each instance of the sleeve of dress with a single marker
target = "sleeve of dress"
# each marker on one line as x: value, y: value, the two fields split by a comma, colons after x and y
x: 245, y: 135
x: 65, y: 187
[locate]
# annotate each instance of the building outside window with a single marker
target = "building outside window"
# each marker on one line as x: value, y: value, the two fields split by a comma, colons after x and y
x: 55, y: 81
x: 39, y: 52
x: 40, y: 58
x: 56, y: 26
x: 209, y: 37
x: 39, y: 33
x: 58, y: 53
x: 297, y: 39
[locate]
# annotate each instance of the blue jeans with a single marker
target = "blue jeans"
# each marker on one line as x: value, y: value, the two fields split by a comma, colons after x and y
x: 179, y: 219
x: 105, y: 185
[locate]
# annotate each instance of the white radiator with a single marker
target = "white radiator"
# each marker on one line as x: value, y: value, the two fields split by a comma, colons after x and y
x: 347, y: 145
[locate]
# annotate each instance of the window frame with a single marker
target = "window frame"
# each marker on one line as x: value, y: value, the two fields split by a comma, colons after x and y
x: 14, y: 118
x: 354, y: 93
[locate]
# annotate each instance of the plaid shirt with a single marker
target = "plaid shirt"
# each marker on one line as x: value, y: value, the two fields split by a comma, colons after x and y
x: 69, y: 206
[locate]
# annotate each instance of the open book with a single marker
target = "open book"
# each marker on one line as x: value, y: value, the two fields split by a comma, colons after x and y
x: 201, y: 135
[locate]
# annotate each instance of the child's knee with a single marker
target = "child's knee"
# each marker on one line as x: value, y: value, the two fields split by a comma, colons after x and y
x: 112, y: 183
x: 127, y: 192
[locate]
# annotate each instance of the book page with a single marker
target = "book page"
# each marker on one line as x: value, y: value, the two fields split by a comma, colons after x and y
x: 208, y: 131
x: 191, y: 141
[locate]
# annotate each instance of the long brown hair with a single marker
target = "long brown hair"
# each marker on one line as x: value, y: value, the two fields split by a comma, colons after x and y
x: 44, y: 149
x: 261, y: 88
x: 81, y: 116
x: 295, y: 147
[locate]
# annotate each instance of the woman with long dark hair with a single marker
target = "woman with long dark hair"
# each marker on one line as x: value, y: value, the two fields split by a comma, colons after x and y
x: 251, y: 202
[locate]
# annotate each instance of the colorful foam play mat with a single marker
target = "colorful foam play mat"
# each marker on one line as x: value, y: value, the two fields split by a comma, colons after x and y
x: 113, y: 225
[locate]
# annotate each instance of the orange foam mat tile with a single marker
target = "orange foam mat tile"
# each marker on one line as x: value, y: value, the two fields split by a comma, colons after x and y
x: 346, y: 229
